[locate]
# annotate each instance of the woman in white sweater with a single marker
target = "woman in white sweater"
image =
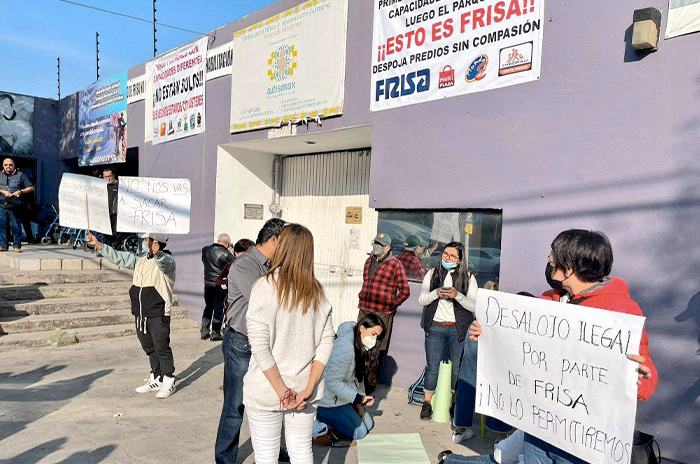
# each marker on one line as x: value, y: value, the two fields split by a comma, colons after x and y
x: 448, y: 297
x: 291, y: 339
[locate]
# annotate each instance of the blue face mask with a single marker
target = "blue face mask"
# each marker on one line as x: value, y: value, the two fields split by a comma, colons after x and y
x: 144, y: 247
x: 449, y: 266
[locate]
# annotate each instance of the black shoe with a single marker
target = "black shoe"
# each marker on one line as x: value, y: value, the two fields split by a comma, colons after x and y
x: 216, y: 337
x: 284, y: 456
x: 205, y: 336
x: 426, y: 411
x: 443, y: 455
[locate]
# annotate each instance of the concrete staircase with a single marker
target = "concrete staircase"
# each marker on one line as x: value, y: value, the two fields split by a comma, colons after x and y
x: 92, y: 303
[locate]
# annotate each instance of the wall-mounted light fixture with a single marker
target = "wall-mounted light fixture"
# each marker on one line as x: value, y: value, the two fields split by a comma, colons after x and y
x: 646, y: 29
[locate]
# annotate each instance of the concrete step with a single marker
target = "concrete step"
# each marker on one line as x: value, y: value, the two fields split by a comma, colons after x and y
x: 44, y: 322
x: 20, y: 308
x: 41, y: 339
x: 64, y: 277
x: 45, y: 291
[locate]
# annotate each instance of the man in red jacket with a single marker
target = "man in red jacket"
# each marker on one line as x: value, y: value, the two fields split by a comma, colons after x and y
x: 578, y: 271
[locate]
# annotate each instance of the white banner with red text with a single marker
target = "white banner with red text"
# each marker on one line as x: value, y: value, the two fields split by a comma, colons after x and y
x: 424, y: 50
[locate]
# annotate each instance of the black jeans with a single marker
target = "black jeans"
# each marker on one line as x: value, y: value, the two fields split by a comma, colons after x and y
x: 213, y: 309
x: 156, y: 343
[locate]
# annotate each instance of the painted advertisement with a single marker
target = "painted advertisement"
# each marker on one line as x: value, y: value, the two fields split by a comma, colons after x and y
x: 176, y: 87
x: 16, y: 124
x: 290, y: 67
x: 102, y: 119
x: 424, y: 50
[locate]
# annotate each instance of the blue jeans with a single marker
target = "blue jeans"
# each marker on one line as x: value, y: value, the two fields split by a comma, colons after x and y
x: 466, y: 392
x: 236, y: 359
x: 11, y: 216
x: 541, y: 452
x: 441, y: 343
x: 346, y: 421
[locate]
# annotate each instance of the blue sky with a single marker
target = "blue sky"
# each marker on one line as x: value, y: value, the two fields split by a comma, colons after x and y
x: 33, y: 33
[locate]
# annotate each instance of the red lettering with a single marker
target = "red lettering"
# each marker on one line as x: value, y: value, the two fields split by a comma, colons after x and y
x: 465, y: 20
x: 514, y: 9
x: 390, y: 46
x: 420, y: 37
x: 448, y: 28
x: 399, y: 43
x: 500, y: 11
x: 409, y: 36
x: 478, y: 18
x: 436, y: 31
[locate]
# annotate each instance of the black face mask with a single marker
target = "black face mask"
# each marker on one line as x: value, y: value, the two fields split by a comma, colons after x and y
x: 555, y: 284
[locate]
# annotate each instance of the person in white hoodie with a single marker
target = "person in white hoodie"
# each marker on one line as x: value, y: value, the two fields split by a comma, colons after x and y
x: 355, y: 357
x: 290, y: 332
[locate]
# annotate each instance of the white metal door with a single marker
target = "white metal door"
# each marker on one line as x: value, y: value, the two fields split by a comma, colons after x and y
x: 315, y: 192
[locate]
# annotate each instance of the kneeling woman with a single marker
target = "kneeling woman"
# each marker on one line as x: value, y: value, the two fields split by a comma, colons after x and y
x: 354, y: 358
x: 448, y: 297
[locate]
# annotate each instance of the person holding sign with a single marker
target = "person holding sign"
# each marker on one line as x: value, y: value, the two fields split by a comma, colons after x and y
x: 151, y: 301
x: 448, y: 297
x: 578, y: 270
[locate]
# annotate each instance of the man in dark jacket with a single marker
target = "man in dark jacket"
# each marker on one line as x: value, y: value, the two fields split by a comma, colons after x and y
x: 110, y: 175
x: 13, y: 186
x: 214, y: 257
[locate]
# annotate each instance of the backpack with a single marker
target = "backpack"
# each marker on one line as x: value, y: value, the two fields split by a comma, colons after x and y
x: 416, y: 394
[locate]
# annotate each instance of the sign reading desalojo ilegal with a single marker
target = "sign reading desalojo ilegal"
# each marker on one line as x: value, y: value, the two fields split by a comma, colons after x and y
x: 560, y: 372
x: 82, y: 203
x: 424, y: 50
x: 149, y: 204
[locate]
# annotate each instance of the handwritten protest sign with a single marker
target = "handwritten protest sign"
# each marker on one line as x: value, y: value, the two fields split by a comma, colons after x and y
x: 73, y: 210
x: 560, y: 372
x: 445, y: 227
x: 149, y: 204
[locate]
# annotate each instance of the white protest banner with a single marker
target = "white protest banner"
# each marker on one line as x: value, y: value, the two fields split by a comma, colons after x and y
x: 219, y: 61
x: 424, y: 50
x: 72, y: 208
x: 560, y: 372
x: 445, y: 227
x: 290, y: 67
x: 683, y: 17
x: 149, y: 204
x: 177, y: 91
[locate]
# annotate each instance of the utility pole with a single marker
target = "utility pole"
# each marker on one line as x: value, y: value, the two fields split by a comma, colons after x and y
x: 58, y: 61
x: 155, y: 50
x: 97, y: 53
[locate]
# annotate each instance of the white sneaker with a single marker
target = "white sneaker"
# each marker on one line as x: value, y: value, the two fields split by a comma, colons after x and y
x: 152, y: 384
x: 168, y: 387
x: 460, y: 437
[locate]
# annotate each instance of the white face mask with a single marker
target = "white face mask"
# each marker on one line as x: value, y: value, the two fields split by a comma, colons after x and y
x: 369, y: 341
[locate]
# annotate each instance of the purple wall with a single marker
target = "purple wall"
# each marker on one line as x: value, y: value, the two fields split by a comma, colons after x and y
x: 606, y: 140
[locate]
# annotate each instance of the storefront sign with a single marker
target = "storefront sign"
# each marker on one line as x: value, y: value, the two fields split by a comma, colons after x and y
x: 16, y: 124
x: 176, y: 83
x: 426, y: 50
x: 353, y: 215
x: 136, y: 89
x: 683, y: 17
x: 149, y: 204
x: 252, y: 211
x: 560, y: 372
x: 102, y: 118
x: 290, y: 67
x: 82, y: 201
x: 219, y: 61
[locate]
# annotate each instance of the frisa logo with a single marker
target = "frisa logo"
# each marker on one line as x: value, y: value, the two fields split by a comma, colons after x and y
x: 447, y: 77
x: 282, y: 63
x: 477, y: 70
x: 403, y: 86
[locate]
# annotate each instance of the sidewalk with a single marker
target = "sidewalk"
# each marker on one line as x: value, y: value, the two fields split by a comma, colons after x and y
x: 77, y: 405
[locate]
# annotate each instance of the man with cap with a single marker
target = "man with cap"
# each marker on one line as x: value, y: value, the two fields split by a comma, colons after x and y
x: 151, y: 301
x: 410, y: 257
x: 384, y: 288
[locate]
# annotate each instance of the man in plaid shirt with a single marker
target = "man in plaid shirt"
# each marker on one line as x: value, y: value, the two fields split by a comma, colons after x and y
x: 384, y: 288
x: 409, y: 257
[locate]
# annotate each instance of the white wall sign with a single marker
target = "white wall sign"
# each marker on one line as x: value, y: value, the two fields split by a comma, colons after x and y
x: 560, y: 372
x: 73, y: 212
x: 219, y: 61
x: 427, y: 50
x: 290, y: 67
x: 136, y: 89
x: 177, y: 83
x: 150, y: 204
x: 683, y: 17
